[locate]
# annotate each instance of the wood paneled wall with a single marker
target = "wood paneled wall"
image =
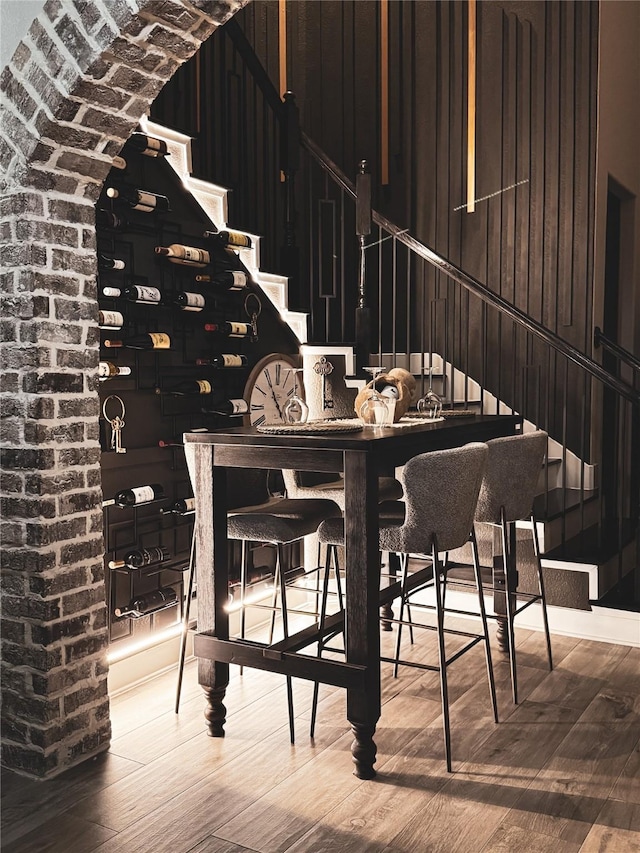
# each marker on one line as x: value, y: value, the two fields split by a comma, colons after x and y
x: 531, y: 235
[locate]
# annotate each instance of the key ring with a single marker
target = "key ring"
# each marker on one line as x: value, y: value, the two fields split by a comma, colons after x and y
x: 119, y: 417
x: 256, y: 313
x: 253, y: 315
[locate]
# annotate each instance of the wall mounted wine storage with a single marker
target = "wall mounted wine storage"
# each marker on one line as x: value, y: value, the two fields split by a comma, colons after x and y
x: 139, y: 382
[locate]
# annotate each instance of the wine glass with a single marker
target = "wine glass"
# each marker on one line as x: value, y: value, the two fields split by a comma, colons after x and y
x: 431, y: 404
x: 295, y: 410
x: 376, y: 409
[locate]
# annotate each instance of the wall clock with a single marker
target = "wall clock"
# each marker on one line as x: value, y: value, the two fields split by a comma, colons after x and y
x: 269, y: 386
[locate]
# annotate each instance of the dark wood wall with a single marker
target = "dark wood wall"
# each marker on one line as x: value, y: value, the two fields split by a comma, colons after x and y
x: 535, y: 122
x: 536, y: 103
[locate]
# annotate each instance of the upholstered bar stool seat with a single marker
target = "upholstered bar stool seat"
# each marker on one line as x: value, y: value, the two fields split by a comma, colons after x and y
x: 280, y: 521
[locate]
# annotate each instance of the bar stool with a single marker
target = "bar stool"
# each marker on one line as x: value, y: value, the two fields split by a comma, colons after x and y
x: 441, y: 490
x: 280, y: 523
x: 507, y: 493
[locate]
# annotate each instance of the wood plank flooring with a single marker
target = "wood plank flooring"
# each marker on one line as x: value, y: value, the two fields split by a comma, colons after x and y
x: 559, y: 773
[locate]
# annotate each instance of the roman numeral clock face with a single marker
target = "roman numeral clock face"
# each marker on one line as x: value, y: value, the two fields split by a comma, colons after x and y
x: 268, y: 388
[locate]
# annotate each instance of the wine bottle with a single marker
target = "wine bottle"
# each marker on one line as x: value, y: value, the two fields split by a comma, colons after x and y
x: 139, y: 199
x: 140, y: 557
x: 139, y: 495
x: 107, y: 370
x: 189, y: 255
x: 149, y: 602
x: 224, y: 360
x: 229, y: 238
x: 182, y: 506
x: 231, y: 329
x: 229, y: 407
x: 150, y: 146
x: 189, y: 301
x: 142, y: 293
x: 187, y: 387
x: 112, y: 292
x: 111, y: 220
x: 107, y: 263
x: 226, y: 280
x: 177, y: 442
x: 150, y: 340
x: 110, y: 319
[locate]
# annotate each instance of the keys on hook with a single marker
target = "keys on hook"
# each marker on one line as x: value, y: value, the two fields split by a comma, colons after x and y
x: 116, y: 423
x: 253, y: 308
x: 116, y: 438
x: 324, y: 368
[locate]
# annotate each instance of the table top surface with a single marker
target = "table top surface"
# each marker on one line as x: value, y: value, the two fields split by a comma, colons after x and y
x: 447, y: 432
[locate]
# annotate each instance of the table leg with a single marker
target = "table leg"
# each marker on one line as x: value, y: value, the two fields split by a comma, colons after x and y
x: 215, y: 712
x: 362, y: 619
x: 212, y: 566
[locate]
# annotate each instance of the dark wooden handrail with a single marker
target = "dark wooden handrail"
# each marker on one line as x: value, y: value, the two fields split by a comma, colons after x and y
x: 248, y: 54
x: 474, y: 286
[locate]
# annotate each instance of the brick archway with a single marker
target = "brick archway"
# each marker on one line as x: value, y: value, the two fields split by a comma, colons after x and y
x: 74, y: 91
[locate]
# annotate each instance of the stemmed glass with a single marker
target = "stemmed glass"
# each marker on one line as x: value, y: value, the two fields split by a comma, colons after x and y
x: 295, y: 410
x: 431, y: 404
x: 375, y: 409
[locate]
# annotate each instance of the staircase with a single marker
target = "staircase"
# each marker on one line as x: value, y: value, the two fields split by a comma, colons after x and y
x: 478, y: 350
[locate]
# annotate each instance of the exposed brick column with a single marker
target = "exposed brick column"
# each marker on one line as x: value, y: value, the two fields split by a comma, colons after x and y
x: 73, y: 93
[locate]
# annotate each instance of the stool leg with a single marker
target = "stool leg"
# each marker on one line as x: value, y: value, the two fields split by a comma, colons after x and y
x: 508, y: 531
x: 404, y: 564
x: 485, y: 626
x: 274, y: 597
x: 185, y: 620
x: 444, y: 692
x: 543, y: 598
x: 331, y: 555
x: 285, y: 626
x: 244, y: 559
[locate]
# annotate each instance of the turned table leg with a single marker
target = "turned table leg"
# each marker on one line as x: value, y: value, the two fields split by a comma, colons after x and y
x: 363, y: 750
x: 215, y: 712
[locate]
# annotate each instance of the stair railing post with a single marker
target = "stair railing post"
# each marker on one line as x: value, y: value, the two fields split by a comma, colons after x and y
x: 289, y: 164
x: 363, y: 229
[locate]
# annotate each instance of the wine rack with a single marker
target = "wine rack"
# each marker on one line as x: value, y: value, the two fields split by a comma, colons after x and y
x: 153, y: 395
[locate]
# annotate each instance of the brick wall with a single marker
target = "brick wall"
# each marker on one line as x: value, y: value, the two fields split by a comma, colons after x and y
x: 72, y: 94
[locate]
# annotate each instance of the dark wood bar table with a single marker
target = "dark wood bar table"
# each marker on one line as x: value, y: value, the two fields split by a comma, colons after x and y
x: 361, y: 456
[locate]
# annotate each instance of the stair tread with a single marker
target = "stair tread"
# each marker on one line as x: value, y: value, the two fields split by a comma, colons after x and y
x: 591, y: 546
x: 622, y: 596
x: 557, y: 501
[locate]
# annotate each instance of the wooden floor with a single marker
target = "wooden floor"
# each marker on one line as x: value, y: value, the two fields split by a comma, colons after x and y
x: 560, y: 773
